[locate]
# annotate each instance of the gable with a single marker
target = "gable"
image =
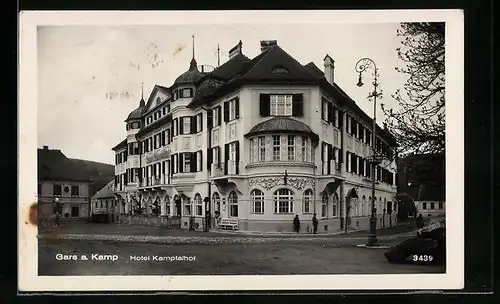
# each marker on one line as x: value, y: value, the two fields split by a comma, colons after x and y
x: 156, y: 97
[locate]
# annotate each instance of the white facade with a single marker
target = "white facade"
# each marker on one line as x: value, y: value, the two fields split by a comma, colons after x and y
x: 242, y: 175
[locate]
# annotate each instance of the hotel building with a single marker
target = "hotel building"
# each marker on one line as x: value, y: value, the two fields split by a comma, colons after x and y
x: 257, y: 141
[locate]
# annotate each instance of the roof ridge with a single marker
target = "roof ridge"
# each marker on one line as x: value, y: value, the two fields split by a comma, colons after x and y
x: 260, y: 57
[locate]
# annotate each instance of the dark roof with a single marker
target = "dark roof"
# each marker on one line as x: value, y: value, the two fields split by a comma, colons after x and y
x: 122, y: 144
x: 230, y: 68
x: 274, y: 57
x: 54, y: 165
x: 282, y: 124
x: 191, y: 76
x: 105, y: 192
x: 313, y: 69
x: 137, y: 113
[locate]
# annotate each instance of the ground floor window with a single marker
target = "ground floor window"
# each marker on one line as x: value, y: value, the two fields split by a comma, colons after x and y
x: 233, y: 204
x: 424, y: 206
x: 283, y: 201
x: 187, y: 208
x: 335, y: 205
x: 167, y: 206
x: 257, y: 201
x: 432, y: 206
x: 198, y: 204
x: 440, y: 205
x: 324, y: 204
x: 306, y: 201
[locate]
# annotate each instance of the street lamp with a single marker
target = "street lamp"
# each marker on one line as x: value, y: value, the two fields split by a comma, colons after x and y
x: 56, y: 207
x: 361, y: 66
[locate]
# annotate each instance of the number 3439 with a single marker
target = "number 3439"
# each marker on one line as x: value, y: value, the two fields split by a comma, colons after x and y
x: 422, y: 258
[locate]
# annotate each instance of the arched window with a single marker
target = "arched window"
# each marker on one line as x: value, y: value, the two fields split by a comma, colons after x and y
x: 257, y: 201
x: 233, y: 204
x: 198, y: 203
x: 167, y: 205
x: 307, y: 200
x: 324, y: 204
x: 335, y: 204
x: 283, y: 201
x: 216, y: 201
x: 363, y: 206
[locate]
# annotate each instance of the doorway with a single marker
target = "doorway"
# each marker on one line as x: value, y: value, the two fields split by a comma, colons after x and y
x: 75, y: 211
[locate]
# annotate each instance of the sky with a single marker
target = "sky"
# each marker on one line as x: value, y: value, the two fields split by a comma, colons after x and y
x: 89, y: 77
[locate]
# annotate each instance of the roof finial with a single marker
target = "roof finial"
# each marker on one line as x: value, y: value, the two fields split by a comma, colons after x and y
x: 218, y: 55
x: 142, y: 90
x: 193, y: 45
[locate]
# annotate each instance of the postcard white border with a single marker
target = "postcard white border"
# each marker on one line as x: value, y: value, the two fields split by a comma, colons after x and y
x: 27, y: 177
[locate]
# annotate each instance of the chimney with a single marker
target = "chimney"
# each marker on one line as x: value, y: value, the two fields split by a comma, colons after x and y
x: 235, y: 50
x: 45, y: 147
x: 329, y: 69
x: 266, y: 44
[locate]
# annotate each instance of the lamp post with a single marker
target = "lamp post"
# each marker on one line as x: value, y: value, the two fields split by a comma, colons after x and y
x: 361, y: 66
x: 56, y: 207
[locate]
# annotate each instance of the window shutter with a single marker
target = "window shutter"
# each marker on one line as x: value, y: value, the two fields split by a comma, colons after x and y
x: 354, y: 127
x: 209, y: 158
x: 237, y: 107
x: 172, y: 165
x: 330, y: 156
x: 226, y: 157
x: 298, y: 105
x: 194, y: 161
x: 322, y: 108
x: 330, y: 112
x: 355, y: 163
x: 163, y: 138
x: 163, y: 167
x: 193, y: 124
x: 237, y: 157
x: 191, y: 92
x: 210, y: 116
x: 167, y: 136
x: 219, y: 118
x: 341, y: 156
x: 265, y: 105
x: 180, y: 126
x: 181, y: 93
x: 226, y: 111
x: 347, y: 158
x: 180, y: 162
x: 154, y: 142
x: 341, y: 119
x: 201, y: 121
x: 361, y: 170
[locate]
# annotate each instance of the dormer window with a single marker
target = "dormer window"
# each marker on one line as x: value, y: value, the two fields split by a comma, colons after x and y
x: 279, y: 70
x: 281, y: 105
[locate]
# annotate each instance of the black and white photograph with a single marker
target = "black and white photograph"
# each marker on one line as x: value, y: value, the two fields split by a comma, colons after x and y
x: 241, y: 150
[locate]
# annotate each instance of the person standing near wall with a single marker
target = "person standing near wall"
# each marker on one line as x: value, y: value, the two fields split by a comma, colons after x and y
x: 315, y: 223
x: 296, y: 223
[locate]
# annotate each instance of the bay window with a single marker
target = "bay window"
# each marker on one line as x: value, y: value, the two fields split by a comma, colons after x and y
x: 276, y: 147
x: 262, y: 148
x: 291, y: 147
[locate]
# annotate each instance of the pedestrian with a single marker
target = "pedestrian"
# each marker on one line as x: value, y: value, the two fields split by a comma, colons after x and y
x: 315, y: 224
x: 296, y: 223
x: 420, y: 221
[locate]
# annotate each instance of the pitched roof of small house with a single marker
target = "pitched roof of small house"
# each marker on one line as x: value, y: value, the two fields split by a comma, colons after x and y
x: 106, y: 191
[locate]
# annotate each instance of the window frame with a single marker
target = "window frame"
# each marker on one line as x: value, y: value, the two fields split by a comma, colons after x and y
x: 73, y: 187
x: 198, y: 205
x: 286, y: 104
x: 232, y: 200
x: 307, y: 199
x: 276, y: 147
x: 287, y: 198
x: 257, y: 197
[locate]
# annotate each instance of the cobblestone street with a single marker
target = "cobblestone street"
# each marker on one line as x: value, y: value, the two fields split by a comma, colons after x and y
x: 215, y: 253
